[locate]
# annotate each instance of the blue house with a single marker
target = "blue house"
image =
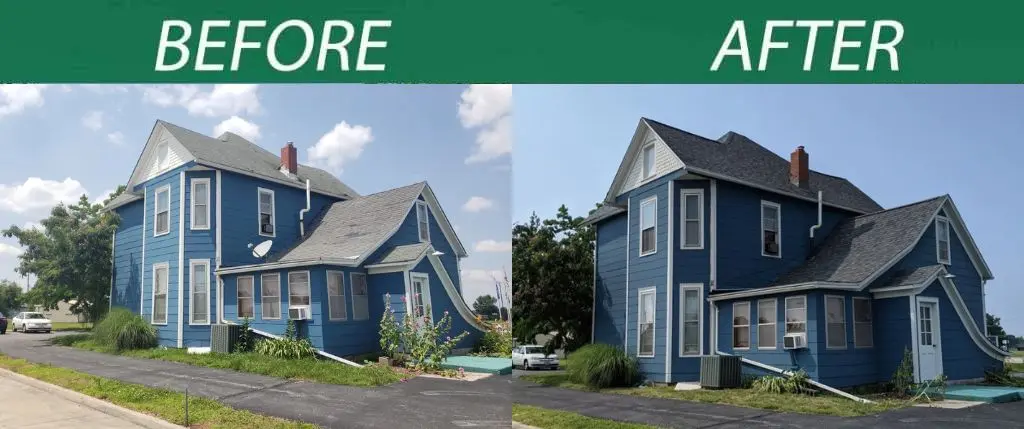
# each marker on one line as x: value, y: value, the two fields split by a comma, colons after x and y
x: 197, y: 207
x: 721, y: 246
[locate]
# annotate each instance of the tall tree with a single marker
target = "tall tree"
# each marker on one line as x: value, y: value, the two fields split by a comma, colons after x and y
x: 70, y: 256
x: 486, y: 305
x: 552, y: 279
x: 995, y: 327
x: 10, y: 297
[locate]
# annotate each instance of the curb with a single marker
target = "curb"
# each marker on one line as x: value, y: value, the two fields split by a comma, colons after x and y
x: 144, y: 420
x: 517, y: 425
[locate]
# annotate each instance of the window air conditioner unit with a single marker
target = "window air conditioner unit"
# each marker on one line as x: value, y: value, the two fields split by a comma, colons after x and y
x: 298, y: 313
x: 794, y: 341
x: 267, y: 228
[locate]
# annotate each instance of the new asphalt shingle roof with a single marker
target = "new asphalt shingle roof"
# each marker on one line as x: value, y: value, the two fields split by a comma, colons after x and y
x: 606, y: 210
x: 863, y: 245
x: 910, y: 277
x: 398, y: 254
x: 351, y: 229
x: 736, y: 157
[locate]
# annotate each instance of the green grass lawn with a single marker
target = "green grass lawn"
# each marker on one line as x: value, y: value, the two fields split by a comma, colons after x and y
x: 553, y: 419
x: 1015, y: 367
x: 164, y: 404
x: 793, y: 403
x: 71, y: 326
x: 321, y: 371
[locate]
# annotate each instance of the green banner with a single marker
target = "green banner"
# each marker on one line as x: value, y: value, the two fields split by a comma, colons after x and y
x: 594, y: 41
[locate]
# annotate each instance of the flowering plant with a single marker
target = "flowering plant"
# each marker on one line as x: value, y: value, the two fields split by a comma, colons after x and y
x: 425, y: 343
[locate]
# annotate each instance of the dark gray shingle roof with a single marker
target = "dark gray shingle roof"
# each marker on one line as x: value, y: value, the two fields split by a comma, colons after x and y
x: 397, y: 254
x: 861, y: 246
x: 605, y: 211
x: 736, y: 156
x: 910, y: 277
x: 353, y: 228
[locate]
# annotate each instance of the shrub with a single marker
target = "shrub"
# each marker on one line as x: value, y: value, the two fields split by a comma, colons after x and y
x: 496, y: 341
x: 246, y: 342
x: 795, y: 383
x: 903, y: 378
x: 123, y: 330
x: 286, y: 348
x: 601, y: 365
x: 425, y: 345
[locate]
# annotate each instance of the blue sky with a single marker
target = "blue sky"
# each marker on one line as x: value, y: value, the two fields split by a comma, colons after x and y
x: 899, y: 144
x: 63, y: 141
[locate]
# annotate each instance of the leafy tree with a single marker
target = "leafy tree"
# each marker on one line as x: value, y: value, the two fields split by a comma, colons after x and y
x: 994, y: 326
x: 486, y: 305
x: 70, y: 256
x: 10, y: 297
x: 552, y: 279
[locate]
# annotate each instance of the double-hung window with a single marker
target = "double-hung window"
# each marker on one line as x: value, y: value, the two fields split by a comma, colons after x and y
x: 200, y: 218
x: 645, y: 322
x: 796, y: 315
x: 159, y: 310
x: 771, y: 229
x: 298, y: 289
x: 423, y: 220
x: 648, y: 226
x: 162, y: 225
x: 266, y: 212
x: 648, y: 162
x: 244, y: 297
x: 741, y: 325
x: 360, y: 303
x: 690, y: 320
x: 693, y: 218
x: 862, y: 323
x: 270, y: 296
x: 200, y: 305
x: 835, y: 317
x: 766, y: 316
x: 337, y: 309
x: 942, y: 240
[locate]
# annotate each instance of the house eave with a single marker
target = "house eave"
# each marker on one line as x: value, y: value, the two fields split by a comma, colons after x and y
x: 797, y: 287
x: 287, y: 264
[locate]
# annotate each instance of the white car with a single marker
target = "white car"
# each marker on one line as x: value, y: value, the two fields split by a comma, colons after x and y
x: 533, y: 357
x: 30, y: 321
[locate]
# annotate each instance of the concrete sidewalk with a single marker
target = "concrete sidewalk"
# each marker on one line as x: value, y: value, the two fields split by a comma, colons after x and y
x: 29, y: 406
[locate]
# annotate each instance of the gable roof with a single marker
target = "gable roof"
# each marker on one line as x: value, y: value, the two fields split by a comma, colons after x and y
x: 606, y: 210
x: 736, y: 158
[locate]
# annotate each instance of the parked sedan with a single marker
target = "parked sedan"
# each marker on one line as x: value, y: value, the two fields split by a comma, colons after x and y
x: 533, y: 357
x: 31, y: 322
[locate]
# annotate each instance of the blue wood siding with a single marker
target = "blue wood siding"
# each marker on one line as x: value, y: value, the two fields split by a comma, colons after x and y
x: 312, y: 329
x: 610, y: 284
x: 163, y: 249
x: 352, y: 337
x: 127, y: 274
x: 200, y: 245
x: 962, y: 359
x: 649, y: 271
x: 690, y: 266
x: 849, y: 365
x: 892, y: 335
x: 740, y: 263
x: 805, y: 359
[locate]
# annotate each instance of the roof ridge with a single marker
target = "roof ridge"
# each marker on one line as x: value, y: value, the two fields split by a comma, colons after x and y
x: 420, y: 183
x: 902, y: 206
x: 709, y: 140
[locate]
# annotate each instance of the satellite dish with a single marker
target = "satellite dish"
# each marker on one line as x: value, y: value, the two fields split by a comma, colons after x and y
x: 262, y: 249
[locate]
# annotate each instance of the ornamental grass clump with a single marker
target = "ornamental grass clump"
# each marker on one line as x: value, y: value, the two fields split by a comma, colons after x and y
x: 600, y: 366
x: 123, y: 330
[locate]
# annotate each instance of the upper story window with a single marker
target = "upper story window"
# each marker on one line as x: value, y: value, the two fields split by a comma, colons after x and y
x: 423, y: 220
x: 771, y: 229
x: 266, y: 207
x: 162, y: 155
x: 942, y: 240
x: 162, y: 214
x: 693, y: 219
x: 648, y: 161
x: 648, y: 228
x: 200, y: 218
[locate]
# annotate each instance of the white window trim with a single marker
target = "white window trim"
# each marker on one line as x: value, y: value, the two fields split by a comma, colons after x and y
x: 156, y: 210
x: 192, y: 264
x: 167, y: 294
x: 344, y: 296
x: 785, y: 314
x: 949, y: 239
x: 162, y: 162
x: 427, y: 307
x: 846, y: 340
x: 778, y: 227
x: 419, y: 221
x: 238, y: 308
x: 273, y: 211
x: 644, y: 174
x: 774, y: 324
x: 309, y: 288
x: 645, y: 202
x: 352, y: 293
x: 654, y: 320
x: 192, y: 211
x: 734, y: 325
x: 871, y: 325
x: 263, y: 304
x: 699, y: 287
x: 682, y: 218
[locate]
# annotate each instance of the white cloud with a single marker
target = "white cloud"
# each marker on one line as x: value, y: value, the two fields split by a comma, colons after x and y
x: 9, y: 250
x: 477, y: 204
x: 488, y: 108
x: 477, y: 282
x: 39, y: 194
x: 15, y: 98
x: 493, y: 246
x: 242, y: 127
x: 104, y: 89
x: 343, y: 143
x: 116, y: 137
x: 222, y: 100
x: 93, y: 120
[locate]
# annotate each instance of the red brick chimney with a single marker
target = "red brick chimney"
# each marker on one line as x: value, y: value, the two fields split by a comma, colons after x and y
x: 799, y: 172
x: 288, y: 159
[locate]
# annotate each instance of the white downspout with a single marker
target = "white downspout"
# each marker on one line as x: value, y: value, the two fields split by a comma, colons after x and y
x: 819, y: 216
x: 302, y: 213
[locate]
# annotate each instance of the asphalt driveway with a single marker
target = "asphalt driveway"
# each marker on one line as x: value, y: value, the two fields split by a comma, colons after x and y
x: 417, y: 403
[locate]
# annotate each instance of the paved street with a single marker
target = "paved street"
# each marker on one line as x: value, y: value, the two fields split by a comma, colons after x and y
x: 417, y: 403
x: 27, y: 407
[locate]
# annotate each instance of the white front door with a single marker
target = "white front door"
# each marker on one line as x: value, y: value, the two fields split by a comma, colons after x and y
x: 929, y: 339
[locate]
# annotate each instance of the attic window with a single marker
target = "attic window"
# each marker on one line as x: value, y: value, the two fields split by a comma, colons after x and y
x: 942, y: 240
x: 648, y: 161
x: 771, y: 229
x: 423, y: 220
x: 162, y: 154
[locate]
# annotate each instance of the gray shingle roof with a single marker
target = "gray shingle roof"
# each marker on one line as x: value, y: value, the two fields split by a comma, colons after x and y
x: 910, y: 277
x: 736, y: 156
x: 123, y: 198
x: 236, y: 152
x: 863, y: 245
x: 353, y: 228
x: 398, y: 254
x: 605, y: 211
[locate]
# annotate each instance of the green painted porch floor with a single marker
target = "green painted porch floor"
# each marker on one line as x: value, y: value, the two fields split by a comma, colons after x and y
x: 990, y: 394
x: 487, y: 365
